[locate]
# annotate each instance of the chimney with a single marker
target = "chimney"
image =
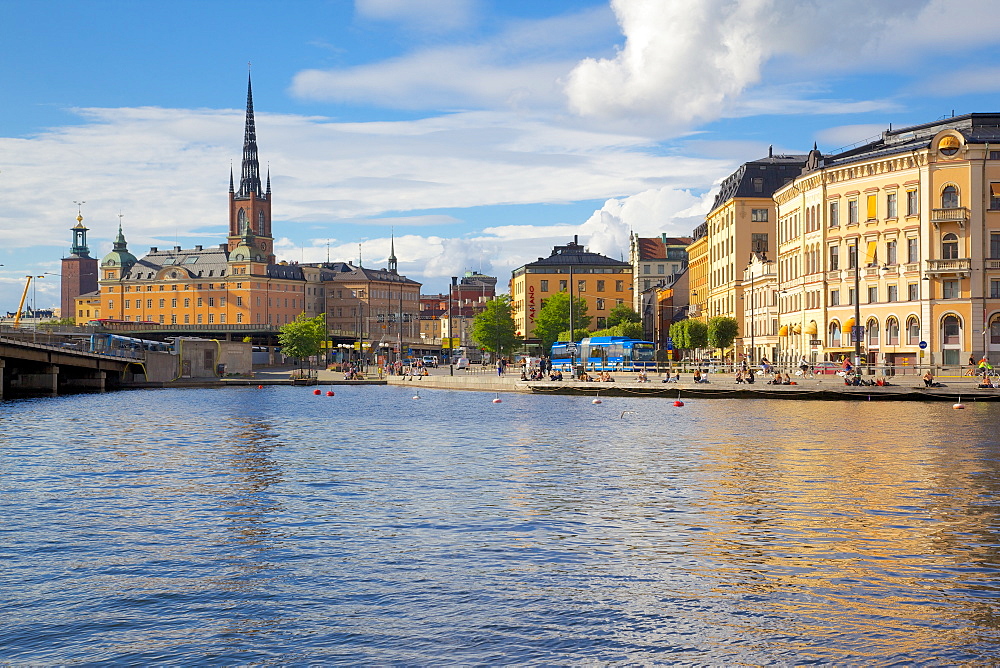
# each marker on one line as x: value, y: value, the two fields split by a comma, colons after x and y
x: 152, y: 249
x: 177, y: 249
x: 198, y: 247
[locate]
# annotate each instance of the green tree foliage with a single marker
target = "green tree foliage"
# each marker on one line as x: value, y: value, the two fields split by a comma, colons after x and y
x: 302, y: 337
x: 631, y: 330
x: 494, y: 328
x: 553, y: 318
x: 689, y: 334
x: 722, y: 331
x: 623, y: 314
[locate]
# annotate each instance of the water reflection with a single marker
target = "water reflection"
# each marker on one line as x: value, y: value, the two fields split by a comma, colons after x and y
x: 272, y: 526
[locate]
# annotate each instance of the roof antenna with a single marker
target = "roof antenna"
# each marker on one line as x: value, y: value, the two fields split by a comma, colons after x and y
x: 359, y: 254
x: 328, y: 251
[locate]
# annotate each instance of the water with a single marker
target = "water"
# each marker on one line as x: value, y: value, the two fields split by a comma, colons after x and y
x: 275, y: 527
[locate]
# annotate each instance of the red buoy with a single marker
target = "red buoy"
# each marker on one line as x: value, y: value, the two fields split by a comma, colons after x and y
x: 260, y: 387
x: 678, y: 403
x: 329, y: 393
x: 316, y: 392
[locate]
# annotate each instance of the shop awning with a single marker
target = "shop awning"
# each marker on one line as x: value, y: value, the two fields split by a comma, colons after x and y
x: 797, y: 328
x: 848, y: 325
x: 811, y: 328
x: 783, y: 330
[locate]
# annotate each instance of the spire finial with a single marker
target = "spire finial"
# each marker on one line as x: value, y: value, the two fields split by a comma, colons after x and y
x: 79, y: 211
x: 392, y: 250
x: 250, y: 171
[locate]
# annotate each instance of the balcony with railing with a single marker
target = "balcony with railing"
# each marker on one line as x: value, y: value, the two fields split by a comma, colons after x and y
x: 961, y: 265
x: 959, y: 214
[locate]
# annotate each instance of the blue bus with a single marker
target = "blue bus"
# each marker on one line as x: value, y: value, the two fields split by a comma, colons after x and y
x: 605, y: 353
x: 125, y: 346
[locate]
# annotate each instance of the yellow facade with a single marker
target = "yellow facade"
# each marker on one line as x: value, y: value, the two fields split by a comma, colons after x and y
x: 921, y: 211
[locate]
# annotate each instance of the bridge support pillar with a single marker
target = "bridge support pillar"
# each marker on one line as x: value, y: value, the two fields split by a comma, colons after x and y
x: 45, y: 381
x: 95, y: 381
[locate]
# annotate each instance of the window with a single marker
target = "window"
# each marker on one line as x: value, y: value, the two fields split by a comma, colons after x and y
x: 949, y: 247
x: 871, y: 207
x: 199, y: 318
x: 239, y: 301
x: 191, y: 260
x: 758, y: 242
x: 834, y: 214
x: 834, y: 258
x: 600, y: 286
x: 994, y: 245
x: 581, y: 287
x: 563, y: 286
x: 834, y: 297
x: 187, y: 319
x: 646, y: 284
x: 913, y: 292
x: 645, y: 269
x: 126, y: 302
x: 600, y: 304
x: 200, y: 301
x: 659, y: 269
x: 890, y: 205
x: 239, y: 317
x: 163, y: 302
x: 850, y: 296
x: 872, y: 330
x: 995, y: 197
x: 952, y: 330
x: 149, y: 303
x: 872, y: 294
x: 912, y: 250
x: 890, y: 252
x: 619, y: 286
x: 211, y: 301
x: 912, y: 205
x: 912, y: 332
x: 211, y: 318
x: 544, y: 285
x: 949, y: 197
x: 995, y: 155
x: 892, y: 293
x: 949, y: 289
x: 995, y: 329
x: 852, y: 212
x: 892, y: 332
x: 187, y: 302
x: 994, y: 289
x: 602, y: 322
x: 758, y: 185
x: 758, y: 215
x: 835, y: 335
x: 852, y: 256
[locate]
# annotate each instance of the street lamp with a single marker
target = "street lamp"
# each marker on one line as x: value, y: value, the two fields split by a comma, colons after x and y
x: 753, y: 349
x: 856, y: 330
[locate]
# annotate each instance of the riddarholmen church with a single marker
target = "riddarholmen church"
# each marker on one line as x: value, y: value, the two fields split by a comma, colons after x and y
x: 238, y: 286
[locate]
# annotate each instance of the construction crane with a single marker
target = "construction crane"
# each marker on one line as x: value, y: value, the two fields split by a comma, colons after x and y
x: 17, y: 316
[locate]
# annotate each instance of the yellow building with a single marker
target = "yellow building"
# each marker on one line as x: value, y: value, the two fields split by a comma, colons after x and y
x: 602, y: 281
x: 919, y: 211
x: 740, y: 224
x: 698, y: 273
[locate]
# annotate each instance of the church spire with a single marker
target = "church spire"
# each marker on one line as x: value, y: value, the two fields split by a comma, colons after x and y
x: 250, y: 171
x: 392, y: 252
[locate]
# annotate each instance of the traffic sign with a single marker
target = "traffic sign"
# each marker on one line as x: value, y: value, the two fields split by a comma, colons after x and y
x: 923, y: 345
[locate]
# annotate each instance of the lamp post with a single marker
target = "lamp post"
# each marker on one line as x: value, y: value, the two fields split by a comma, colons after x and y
x: 856, y: 330
x: 753, y: 349
x: 572, y: 329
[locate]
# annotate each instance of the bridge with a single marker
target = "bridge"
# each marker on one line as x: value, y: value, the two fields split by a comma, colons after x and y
x: 35, y: 363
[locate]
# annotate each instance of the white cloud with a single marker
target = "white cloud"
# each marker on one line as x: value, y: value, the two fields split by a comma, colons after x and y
x: 519, y: 67
x: 846, y: 135
x: 429, y: 15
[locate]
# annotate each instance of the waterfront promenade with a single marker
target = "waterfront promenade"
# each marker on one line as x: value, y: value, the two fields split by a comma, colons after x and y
x: 720, y: 385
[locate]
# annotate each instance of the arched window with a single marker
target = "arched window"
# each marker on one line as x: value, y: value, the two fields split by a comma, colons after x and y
x: 912, y: 331
x: 952, y: 330
x: 949, y: 247
x: 873, y: 333
x: 995, y: 329
x: 892, y: 332
x: 949, y: 198
x: 260, y: 222
x: 834, y: 334
x: 241, y: 221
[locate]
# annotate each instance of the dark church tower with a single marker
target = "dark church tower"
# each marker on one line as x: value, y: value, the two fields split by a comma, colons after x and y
x: 79, y: 271
x: 250, y: 207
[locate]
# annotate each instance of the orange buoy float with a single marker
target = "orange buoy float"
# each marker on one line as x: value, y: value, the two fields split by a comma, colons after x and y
x: 498, y: 400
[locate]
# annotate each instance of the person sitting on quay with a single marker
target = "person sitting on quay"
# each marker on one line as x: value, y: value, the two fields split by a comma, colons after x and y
x: 750, y: 377
x: 641, y: 377
x: 928, y: 379
x: 698, y: 378
x: 739, y: 377
x: 606, y: 377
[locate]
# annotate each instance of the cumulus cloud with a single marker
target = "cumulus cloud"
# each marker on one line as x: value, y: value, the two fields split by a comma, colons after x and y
x: 685, y: 63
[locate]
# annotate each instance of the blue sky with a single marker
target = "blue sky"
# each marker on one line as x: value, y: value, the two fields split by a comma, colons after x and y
x: 479, y: 132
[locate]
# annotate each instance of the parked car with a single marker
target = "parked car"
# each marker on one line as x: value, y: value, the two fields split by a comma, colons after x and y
x: 462, y: 363
x: 826, y: 367
x: 430, y: 360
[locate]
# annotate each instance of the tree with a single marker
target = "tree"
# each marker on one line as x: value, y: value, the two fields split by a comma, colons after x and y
x: 622, y: 313
x: 689, y: 334
x: 303, y: 337
x: 722, y: 331
x: 553, y: 318
x: 494, y: 328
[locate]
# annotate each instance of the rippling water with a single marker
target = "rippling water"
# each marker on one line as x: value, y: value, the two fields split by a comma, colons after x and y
x: 274, y: 527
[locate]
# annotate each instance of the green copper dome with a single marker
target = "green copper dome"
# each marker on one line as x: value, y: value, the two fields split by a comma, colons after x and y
x: 119, y: 255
